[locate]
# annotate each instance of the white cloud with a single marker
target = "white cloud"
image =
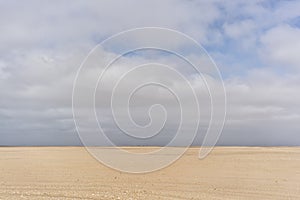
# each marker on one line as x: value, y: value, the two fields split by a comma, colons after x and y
x: 43, y: 44
x: 239, y: 29
x: 281, y: 46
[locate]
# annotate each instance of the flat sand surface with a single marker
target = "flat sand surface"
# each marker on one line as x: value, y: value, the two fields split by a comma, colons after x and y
x: 227, y: 173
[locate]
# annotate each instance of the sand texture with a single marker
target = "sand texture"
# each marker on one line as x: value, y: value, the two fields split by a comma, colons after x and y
x: 227, y: 173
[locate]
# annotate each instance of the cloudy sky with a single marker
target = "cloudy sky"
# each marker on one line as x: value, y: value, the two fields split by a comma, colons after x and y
x: 255, y: 45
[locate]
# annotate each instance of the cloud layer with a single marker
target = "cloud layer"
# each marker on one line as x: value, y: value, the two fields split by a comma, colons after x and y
x: 254, y: 43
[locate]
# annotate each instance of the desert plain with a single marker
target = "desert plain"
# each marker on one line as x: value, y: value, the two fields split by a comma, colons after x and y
x: 227, y: 173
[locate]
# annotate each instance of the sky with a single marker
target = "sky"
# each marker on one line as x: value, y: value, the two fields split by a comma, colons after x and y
x: 255, y: 45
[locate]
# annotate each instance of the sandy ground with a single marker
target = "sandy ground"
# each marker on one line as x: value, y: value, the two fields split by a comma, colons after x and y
x: 227, y: 173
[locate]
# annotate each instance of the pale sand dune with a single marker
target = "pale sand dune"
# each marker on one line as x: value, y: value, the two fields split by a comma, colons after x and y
x: 228, y: 173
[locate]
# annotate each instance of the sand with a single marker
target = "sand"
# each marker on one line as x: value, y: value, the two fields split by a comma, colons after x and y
x: 227, y: 173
